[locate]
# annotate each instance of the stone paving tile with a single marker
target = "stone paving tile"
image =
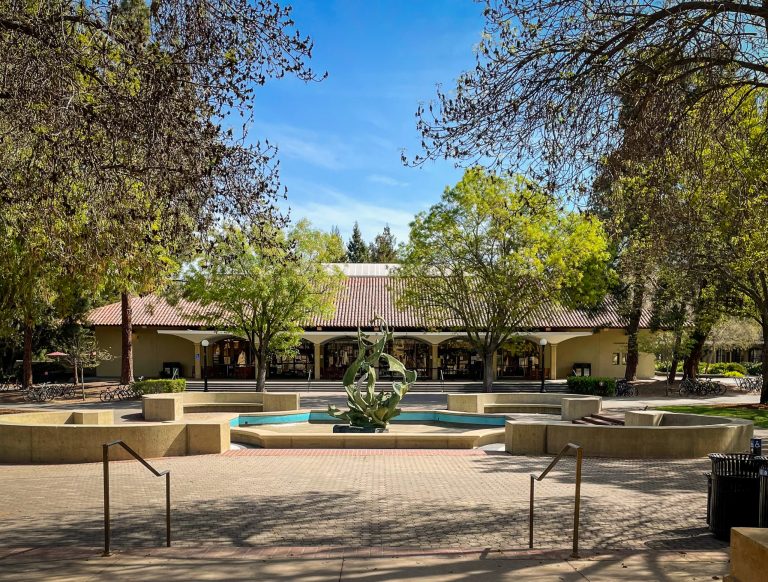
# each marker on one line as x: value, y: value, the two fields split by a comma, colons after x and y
x: 393, y: 501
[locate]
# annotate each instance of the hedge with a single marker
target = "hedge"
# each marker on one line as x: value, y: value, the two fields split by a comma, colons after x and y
x: 160, y: 386
x: 755, y: 368
x: 592, y: 385
x: 722, y: 367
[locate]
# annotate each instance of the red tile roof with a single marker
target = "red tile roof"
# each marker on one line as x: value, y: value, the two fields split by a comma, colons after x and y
x: 360, y: 299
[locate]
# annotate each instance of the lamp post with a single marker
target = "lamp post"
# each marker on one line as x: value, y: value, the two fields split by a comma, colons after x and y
x: 542, y: 343
x: 204, y: 343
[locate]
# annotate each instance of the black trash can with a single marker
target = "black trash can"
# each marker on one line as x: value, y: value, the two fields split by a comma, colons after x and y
x: 734, y: 499
x: 763, y: 476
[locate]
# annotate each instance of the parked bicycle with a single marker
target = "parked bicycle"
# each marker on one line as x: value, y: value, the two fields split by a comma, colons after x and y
x: 121, y: 392
x: 701, y: 387
x: 625, y: 388
x: 10, y: 384
x: 750, y: 383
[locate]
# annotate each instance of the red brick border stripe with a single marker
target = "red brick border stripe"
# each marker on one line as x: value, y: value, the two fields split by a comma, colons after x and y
x: 355, y: 453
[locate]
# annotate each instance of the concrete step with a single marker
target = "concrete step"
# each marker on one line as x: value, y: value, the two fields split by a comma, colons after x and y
x: 335, y: 386
x: 599, y: 420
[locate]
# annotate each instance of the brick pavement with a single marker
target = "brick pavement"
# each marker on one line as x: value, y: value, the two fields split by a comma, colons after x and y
x: 373, y: 499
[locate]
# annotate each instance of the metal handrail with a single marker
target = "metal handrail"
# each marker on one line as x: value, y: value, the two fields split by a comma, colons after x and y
x: 155, y: 472
x: 577, y: 501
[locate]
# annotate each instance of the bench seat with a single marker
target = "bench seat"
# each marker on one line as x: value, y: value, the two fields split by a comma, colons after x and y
x: 224, y: 406
x: 527, y: 408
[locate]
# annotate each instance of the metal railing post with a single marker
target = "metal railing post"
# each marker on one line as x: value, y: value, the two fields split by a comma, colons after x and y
x: 577, y: 503
x: 155, y: 472
x: 168, y: 509
x: 577, y: 497
x: 107, y: 533
x: 530, y: 515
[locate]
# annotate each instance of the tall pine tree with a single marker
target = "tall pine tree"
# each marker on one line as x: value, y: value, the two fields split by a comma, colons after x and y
x: 384, y: 247
x: 357, y: 250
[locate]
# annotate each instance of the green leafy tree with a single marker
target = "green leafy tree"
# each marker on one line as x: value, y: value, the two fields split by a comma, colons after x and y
x: 492, y: 252
x: 115, y: 157
x: 264, y: 293
x: 336, y: 251
x: 82, y: 351
x: 383, y: 249
x: 357, y: 250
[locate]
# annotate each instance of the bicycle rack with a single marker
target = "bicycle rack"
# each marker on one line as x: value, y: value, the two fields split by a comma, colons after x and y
x: 577, y: 498
x: 135, y: 455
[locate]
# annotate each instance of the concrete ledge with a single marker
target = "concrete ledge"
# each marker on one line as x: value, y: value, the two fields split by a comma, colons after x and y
x: 162, y: 407
x: 171, y: 407
x: 523, y: 408
x: 675, y: 441
x: 78, y: 436
x: 749, y: 554
x: 93, y: 417
x: 573, y: 408
x: 481, y: 402
x: 275, y: 440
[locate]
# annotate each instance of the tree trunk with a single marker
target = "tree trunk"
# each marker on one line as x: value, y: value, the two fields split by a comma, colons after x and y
x: 126, y: 369
x: 488, y: 371
x: 26, y: 368
x: 633, y: 327
x: 691, y: 361
x: 261, y: 367
x: 764, y: 391
x: 675, y: 358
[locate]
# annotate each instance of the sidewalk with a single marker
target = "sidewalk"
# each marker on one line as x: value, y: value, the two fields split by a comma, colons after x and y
x: 373, y: 565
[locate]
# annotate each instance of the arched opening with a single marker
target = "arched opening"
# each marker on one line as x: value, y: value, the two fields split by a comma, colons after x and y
x: 338, y: 354
x: 459, y: 360
x: 300, y: 364
x: 413, y: 353
x: 518, y: 358
x: 231, y: 358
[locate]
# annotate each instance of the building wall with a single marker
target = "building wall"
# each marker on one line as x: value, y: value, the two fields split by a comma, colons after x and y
x: 598, y: 350
x: 150, y: 350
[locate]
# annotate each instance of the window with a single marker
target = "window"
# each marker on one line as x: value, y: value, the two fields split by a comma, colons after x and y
x: 619, y: 358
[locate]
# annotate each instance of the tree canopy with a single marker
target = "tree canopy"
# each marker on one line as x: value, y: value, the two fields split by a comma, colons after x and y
x: 263, y: 293
x: 553, y: 79
x: 493, y: 251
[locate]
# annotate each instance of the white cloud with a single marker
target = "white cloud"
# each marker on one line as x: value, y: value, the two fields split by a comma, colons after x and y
x: 327, y: 207
x: 387, y: 180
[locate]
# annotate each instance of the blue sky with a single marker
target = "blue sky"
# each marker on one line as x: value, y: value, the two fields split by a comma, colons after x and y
x: 340, y: 140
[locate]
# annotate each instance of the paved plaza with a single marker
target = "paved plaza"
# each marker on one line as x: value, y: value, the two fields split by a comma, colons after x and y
x: 388, y: 501
x: 360, y: 515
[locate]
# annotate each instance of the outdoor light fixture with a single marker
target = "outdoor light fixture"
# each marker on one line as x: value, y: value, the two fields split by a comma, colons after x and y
x: 204, y: 343
x: 542, y: 343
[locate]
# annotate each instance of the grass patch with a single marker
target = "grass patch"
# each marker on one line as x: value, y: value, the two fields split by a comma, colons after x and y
x: 757, y: 413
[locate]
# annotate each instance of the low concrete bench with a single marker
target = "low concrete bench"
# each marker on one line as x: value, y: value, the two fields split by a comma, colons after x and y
x: 749, y: 554
x: 171, y: 407
x: 224, y: 407
x: 524, y: 408
x: 569, y: 406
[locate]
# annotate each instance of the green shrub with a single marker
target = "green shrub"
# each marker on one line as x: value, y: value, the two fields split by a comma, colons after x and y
x: 754, y: 368
x: 160, y: 386
x: 593, y: 385
x: 733, y: 375
x: 723, y: 367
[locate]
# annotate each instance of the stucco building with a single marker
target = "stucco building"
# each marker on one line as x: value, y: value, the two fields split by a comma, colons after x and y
x: 164, y: 334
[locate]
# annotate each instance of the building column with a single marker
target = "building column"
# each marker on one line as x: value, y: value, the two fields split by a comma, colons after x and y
x: 495, y: 363
x: 198, y: 361
x: 318, y: 356
x: 434, y: 361
x: 553, y: 361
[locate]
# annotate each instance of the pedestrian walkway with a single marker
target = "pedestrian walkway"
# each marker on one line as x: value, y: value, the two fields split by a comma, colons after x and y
x: 335, y: 565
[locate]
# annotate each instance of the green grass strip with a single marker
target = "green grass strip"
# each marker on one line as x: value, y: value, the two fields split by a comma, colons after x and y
x: 758, y: 416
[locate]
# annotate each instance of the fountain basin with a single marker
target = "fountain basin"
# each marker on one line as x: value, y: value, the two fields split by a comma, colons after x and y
x: 423, y: 429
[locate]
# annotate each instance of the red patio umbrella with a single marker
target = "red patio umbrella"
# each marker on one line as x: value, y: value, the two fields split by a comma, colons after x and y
x: 56, y: 354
